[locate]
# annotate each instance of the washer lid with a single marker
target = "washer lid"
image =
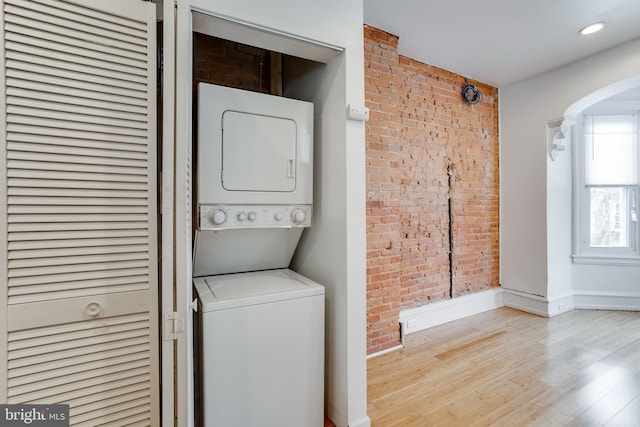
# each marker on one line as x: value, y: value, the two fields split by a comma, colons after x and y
x: 259, y: 287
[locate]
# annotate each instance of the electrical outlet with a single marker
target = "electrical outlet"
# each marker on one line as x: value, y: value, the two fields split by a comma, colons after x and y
x: 357, y: 112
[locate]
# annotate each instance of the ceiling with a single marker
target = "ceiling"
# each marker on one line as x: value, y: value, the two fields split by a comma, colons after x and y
x: 501, y: 42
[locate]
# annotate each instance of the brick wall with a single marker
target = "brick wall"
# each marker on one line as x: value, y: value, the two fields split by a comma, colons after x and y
x: 420, y: 128
x: 227, y: 63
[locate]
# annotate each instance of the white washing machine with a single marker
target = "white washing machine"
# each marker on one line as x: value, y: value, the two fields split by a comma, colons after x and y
x: 262, y: 349
x: 260, y: 325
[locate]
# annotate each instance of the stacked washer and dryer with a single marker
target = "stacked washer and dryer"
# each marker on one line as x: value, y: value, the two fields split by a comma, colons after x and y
x: 260, y: 325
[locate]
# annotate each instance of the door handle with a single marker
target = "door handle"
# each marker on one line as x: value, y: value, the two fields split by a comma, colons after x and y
x: 291, y: 168
x: 93, y: 309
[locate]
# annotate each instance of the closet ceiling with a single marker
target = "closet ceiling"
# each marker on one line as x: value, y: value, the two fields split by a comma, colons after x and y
x: 501, y: 42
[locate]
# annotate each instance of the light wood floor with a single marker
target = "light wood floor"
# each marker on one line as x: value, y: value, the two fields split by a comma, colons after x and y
x: 508, y: 368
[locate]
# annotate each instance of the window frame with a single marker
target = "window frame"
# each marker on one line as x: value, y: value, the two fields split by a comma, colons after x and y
x: 583, y: 252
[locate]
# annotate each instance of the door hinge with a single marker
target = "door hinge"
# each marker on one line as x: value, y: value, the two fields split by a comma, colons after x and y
x: 173, y: 324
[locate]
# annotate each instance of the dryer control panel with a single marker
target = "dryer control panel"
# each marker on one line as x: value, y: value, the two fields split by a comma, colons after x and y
x: 226, y: 217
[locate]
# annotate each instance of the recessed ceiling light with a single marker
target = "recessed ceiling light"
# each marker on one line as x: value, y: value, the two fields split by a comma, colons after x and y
x: 593, y: 28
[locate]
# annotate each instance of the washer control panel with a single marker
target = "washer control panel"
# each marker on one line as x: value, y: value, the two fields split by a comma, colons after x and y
x: 225, y: 217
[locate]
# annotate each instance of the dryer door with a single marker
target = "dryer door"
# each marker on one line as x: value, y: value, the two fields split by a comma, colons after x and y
x: 258, y: 152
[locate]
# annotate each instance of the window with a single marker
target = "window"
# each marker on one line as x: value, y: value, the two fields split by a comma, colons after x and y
x: 607, y: 187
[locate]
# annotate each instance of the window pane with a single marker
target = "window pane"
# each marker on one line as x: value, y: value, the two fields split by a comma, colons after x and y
x: 608, y: 209
x: 611, y: 150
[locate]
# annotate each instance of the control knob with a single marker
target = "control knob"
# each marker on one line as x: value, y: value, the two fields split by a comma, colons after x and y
x: 278, y: 216
x: 251, y: 216
x: 298, y: 216
x: 217, y: 217
x: 241, y: 216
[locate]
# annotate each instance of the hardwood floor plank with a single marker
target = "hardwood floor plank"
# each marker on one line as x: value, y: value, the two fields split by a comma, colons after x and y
x: 508, y: 368
x: 607, y: 407
x: 628, y: 417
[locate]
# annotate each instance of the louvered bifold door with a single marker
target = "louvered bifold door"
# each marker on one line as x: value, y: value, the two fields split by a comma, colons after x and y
x: 80, y: 222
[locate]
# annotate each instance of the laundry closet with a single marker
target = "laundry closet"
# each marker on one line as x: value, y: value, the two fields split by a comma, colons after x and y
x: 259, y: 329
x: 322, y: 63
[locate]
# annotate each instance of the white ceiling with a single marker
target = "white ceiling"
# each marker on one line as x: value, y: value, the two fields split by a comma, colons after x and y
x: 501, y: 42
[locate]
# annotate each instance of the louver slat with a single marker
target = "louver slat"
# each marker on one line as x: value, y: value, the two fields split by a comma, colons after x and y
x: 70, y: 55
x: 88, y: 85
x: 88, y: 231
x: 30, y: 377
x: 32, y: 357
x: 82, y: 219
x: 82, y: 94
x: 98, y: 185
x: 72, y: 277
x: 65, y: 116
x: 92, y: 326
x: 87, y: 67
x: 111, y: 418
x: 82, y: 291
x: 25, y: 100
x: 75, y: 193
x: 87, y: 378
x: 18, y: 166
x: 49, y: 120
x: 95, y: 27
x: 81, y: 263
x: 123, y: 23
x: 82, y: 244
x: 26, y: 96
x: 22, y: 271
x: 84, y: 74
x: 70, y: 158
x: 75, y: 252
x: 26, y: 172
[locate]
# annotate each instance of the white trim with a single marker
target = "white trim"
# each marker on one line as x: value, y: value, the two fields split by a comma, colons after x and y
x: 597, y: 300
x: 182, y: 204
x: 362, y: 422
x: 226, y: 27
x: 605, y: 260
x: 584, y: 253
x: 385, y: 351
x: 601, y: 94
x: 168, y: 368
x: 437, y: 313
x: 417, y: 319
x: 536, y: 304
x: 555, y: 138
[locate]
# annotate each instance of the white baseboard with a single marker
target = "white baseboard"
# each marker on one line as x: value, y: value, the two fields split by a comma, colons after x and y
x: 591, y: 300
x: 385, y: 351
x: 586, y: 300
x: 362, y: 422
x: 440, y: 312
x: 538, y: 305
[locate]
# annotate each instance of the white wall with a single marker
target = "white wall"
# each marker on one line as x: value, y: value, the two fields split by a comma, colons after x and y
x: 333, y: 251
x: 559, y: 227
x: 523, y: 165
x: 535, y: 195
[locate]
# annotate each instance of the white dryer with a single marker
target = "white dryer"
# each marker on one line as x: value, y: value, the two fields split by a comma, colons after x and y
x: 253, y: 148
x: 254, y: 179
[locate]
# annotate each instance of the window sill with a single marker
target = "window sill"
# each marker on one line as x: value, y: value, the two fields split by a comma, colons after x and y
x: 606, y: 260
